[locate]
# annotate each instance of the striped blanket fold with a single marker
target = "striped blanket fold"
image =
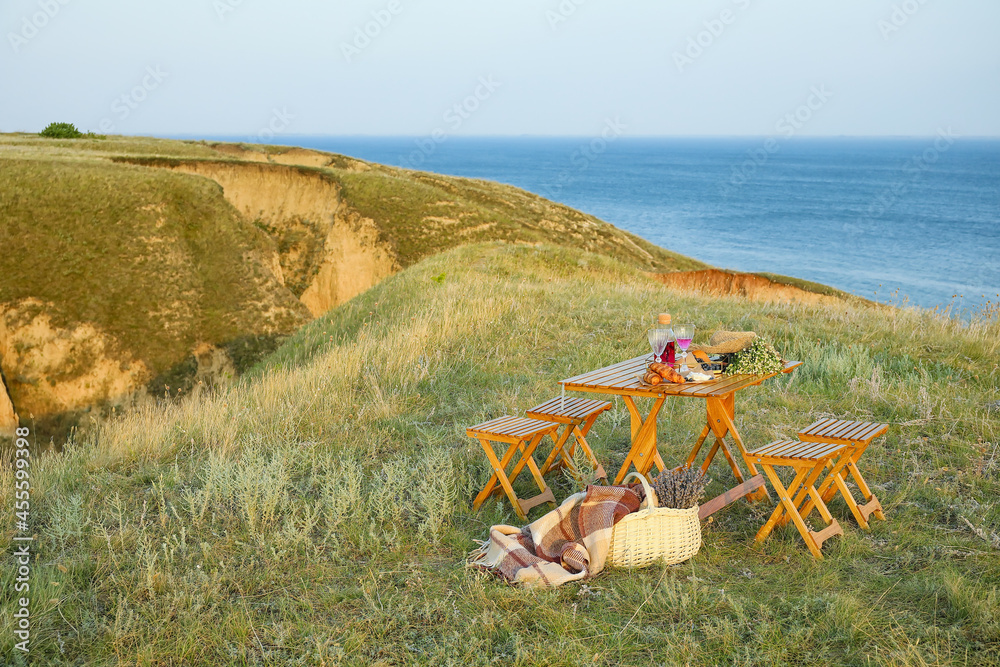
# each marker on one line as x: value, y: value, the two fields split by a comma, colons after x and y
x: 571, y: 542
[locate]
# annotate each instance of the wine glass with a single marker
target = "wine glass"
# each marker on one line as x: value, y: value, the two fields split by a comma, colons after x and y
x: 657, y: 342
x: 684, y: 333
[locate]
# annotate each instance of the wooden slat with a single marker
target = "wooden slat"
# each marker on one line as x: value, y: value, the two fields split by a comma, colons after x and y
x: 774, y: 448
x: 817, y: 426
x: 597, y: 377
x: 732, y: 495
x: 810, y: 451
x: 486, y: 427
x: 794, y: 449
x: 843, y: 430
x: 855, y: 430
x: 511, y: 426
x: 576, y: 410
x: 727, y: 386
x: 620, y: 375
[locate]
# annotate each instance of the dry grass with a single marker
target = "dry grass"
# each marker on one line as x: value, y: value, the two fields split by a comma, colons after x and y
x: 317, y: 512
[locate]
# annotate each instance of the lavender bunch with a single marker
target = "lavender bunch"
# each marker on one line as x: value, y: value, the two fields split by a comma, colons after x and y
x: 680, y: 489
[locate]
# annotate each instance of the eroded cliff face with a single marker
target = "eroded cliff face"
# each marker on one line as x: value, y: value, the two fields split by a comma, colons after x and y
x: 8, y: 418
x: 746, y: 285
x: 326, y: 254
x: 53, y: 369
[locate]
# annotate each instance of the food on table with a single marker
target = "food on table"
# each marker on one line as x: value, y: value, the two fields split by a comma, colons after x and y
x: 667, y: 373
x: 652, y: 378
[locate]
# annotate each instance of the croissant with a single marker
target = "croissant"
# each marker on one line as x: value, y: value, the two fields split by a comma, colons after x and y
x: 661, y: 369
x: 674, y: 377
x: 652, y: 378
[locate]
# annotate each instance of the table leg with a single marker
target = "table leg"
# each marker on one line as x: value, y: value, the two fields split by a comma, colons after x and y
x: 697, y: 446
x: 720, y: 419
x: 643, y: 453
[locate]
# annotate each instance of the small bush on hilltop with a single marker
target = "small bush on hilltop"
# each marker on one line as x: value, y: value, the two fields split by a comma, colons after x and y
x: 61, y: 131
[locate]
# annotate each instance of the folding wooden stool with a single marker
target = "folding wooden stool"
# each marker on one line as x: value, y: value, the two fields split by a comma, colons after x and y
x: 521, y: 435
x: 808, y: 459
x: 578, y: 415
x: 858, y: 435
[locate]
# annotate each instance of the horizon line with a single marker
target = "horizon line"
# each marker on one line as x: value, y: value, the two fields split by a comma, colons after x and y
x: 243, y: 137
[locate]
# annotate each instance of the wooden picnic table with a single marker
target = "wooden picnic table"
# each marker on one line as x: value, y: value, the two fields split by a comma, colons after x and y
x: 622, y: 379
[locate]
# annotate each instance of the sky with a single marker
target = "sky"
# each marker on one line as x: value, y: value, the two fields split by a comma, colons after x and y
x: 502, y: 67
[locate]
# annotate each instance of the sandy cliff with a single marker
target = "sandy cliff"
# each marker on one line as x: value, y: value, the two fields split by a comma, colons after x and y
x: 8, y: 419
x: 747, y: 285
x: 326, y: 254
x: 60, y: 369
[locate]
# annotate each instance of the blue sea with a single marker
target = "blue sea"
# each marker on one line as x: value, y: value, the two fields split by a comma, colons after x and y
x: 886, y: 219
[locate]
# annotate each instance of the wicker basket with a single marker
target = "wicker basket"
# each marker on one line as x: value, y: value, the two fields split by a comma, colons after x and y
x: 654, y: 534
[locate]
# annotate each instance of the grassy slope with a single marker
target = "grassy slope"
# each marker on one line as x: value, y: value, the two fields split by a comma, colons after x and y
x: 158, y: 259
x: 318, y: 513
x: 120, y: 245
x: 419, y: 214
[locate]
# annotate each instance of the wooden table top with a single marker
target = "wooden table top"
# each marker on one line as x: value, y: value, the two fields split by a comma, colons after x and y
x: 623, y: 379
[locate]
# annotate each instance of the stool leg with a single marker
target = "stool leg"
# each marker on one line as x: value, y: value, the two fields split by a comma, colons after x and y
x: 851, y: 503
x: 872, y: 505
x: 490, y: 489
x: 801, y: 494
x: 828, y: 490
x: 501, y: 476
x: 834, y: 478
x: 546, y: 494
x: 580, y: 434
x: 776, y: 515
x: 832, y: 526
x: 556, y: 457
x: 524, y: 460
x: 800, y: 524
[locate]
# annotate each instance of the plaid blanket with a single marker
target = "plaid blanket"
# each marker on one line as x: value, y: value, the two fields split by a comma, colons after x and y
x: 569, y: 543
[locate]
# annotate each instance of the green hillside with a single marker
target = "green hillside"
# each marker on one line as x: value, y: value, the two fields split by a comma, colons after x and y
x: 135, y: 265
x: 318, y: 511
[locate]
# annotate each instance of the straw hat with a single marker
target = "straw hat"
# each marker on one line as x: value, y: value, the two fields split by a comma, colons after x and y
x: 727, y: 342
